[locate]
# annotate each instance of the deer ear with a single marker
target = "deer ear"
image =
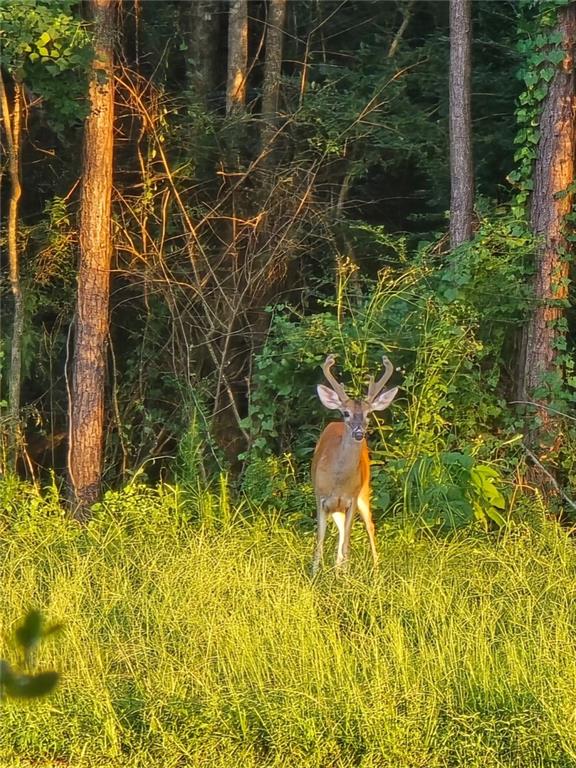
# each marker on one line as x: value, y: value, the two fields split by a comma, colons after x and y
x: 328, y: 397
x: 383, y: 400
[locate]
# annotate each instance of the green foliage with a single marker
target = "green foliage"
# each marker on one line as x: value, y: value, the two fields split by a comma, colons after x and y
x: 367, y: 115
x: 40, y: 30
x: 446, y: 491
x: 3, y: 403
x: 24, y: 685
x: 139, y: 509
x: 272, y: 483
x: 355, y: 327
x: 485, y: 287
x: 282, y: 401
x: 541, y: 53
x: 54, y: 239
x: 448, y: 326
x: 21, y: 502
x: 45, y: 46
x: 362, y: 113
x: 198, y: 455
x: 490, y: 276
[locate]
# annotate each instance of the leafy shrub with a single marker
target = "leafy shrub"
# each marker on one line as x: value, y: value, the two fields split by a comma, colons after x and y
x: 272, y: 483
x: 445, y: 491
x: 21, y: 502
x: 427, y: 319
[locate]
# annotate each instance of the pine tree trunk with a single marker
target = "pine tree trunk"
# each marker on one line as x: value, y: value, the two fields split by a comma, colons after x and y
x: 89, y: 364
x: 553, y: 174
x: 461, y: 163
x: 272, y: 69
x: 200, y: 26
x: 237, y: 57
x: 13, y: 129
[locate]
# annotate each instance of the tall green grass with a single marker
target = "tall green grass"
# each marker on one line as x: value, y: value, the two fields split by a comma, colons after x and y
x: 207, y: 645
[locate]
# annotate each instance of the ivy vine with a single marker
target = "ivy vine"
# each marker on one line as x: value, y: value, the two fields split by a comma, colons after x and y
x: 540, y: 50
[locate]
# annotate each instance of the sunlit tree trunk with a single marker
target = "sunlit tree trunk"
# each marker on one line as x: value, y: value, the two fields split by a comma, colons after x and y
x: 551, y: 202
x: 461, y: 164
x: 237, y: 56
x: 89, y: 364
x: 272, y: 69
x: 12, y: 119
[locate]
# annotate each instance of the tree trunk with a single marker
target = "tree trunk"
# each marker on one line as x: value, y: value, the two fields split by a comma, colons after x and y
x: 461, y: 164
x: 89, y: 364
x: 13, y: 129
x: 237, y: 57
x: 272, y: 69
x: 553, y: 174
x: 201, y: 25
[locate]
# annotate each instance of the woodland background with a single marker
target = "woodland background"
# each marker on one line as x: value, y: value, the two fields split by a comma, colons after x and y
x: 202, y: 199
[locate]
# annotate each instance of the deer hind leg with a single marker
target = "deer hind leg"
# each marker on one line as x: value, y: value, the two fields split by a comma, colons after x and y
x: 321, y: 523
x: 366, y: 515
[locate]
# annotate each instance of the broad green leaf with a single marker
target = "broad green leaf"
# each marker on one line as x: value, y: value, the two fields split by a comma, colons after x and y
x: 44, y: 38
x: 31, y: 686
x: 29, y: 633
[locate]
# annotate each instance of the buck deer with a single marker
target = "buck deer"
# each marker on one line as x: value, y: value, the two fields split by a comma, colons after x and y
x: 341, y: 464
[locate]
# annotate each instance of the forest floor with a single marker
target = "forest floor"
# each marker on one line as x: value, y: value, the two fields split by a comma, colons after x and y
x: 188, y: 645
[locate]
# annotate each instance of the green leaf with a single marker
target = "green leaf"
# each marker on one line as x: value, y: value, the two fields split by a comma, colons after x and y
x: 31, y: 686
x: 44, y: 38
x: 53, y: 629
x: 5, y: 673
x: 484, y: 470
x: 460, y: 459
x: 29, y: 633
x: 496, y: 517
x: 556, y: 56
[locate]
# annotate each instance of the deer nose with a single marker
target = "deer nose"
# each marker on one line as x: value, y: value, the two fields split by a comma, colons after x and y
x: 358, y: 433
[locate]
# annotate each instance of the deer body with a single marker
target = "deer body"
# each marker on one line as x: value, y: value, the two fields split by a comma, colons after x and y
x: 340, y: 466
x: 341, y: 463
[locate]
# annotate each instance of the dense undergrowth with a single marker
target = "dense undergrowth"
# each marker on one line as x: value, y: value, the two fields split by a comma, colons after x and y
x: 193, y: 640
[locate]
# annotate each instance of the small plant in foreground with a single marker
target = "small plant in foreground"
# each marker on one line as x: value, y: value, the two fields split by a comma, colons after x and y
x: 17, y: 684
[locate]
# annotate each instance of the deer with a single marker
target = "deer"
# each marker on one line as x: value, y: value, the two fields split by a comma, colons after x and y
x: 341, y: 462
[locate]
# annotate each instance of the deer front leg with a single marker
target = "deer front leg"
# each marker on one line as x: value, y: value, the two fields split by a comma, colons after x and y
x: 343, y: 522
x: 340, y: 521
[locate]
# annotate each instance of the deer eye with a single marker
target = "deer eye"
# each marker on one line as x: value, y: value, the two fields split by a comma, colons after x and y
x: 346, y: 414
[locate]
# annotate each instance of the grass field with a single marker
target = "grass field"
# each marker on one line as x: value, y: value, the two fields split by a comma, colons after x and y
x: 189, y: 645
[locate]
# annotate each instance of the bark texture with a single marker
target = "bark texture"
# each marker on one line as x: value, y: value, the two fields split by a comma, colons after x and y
x: 200, y: 26
x: 237, y: 57
x: 12, y: 118
x: 553, y: 174
x: 272, y: 69
x: 89, y: 363
x: 461, y: 163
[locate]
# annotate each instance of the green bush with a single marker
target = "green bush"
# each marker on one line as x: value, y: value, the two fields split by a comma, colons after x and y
x: 452, y: 400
